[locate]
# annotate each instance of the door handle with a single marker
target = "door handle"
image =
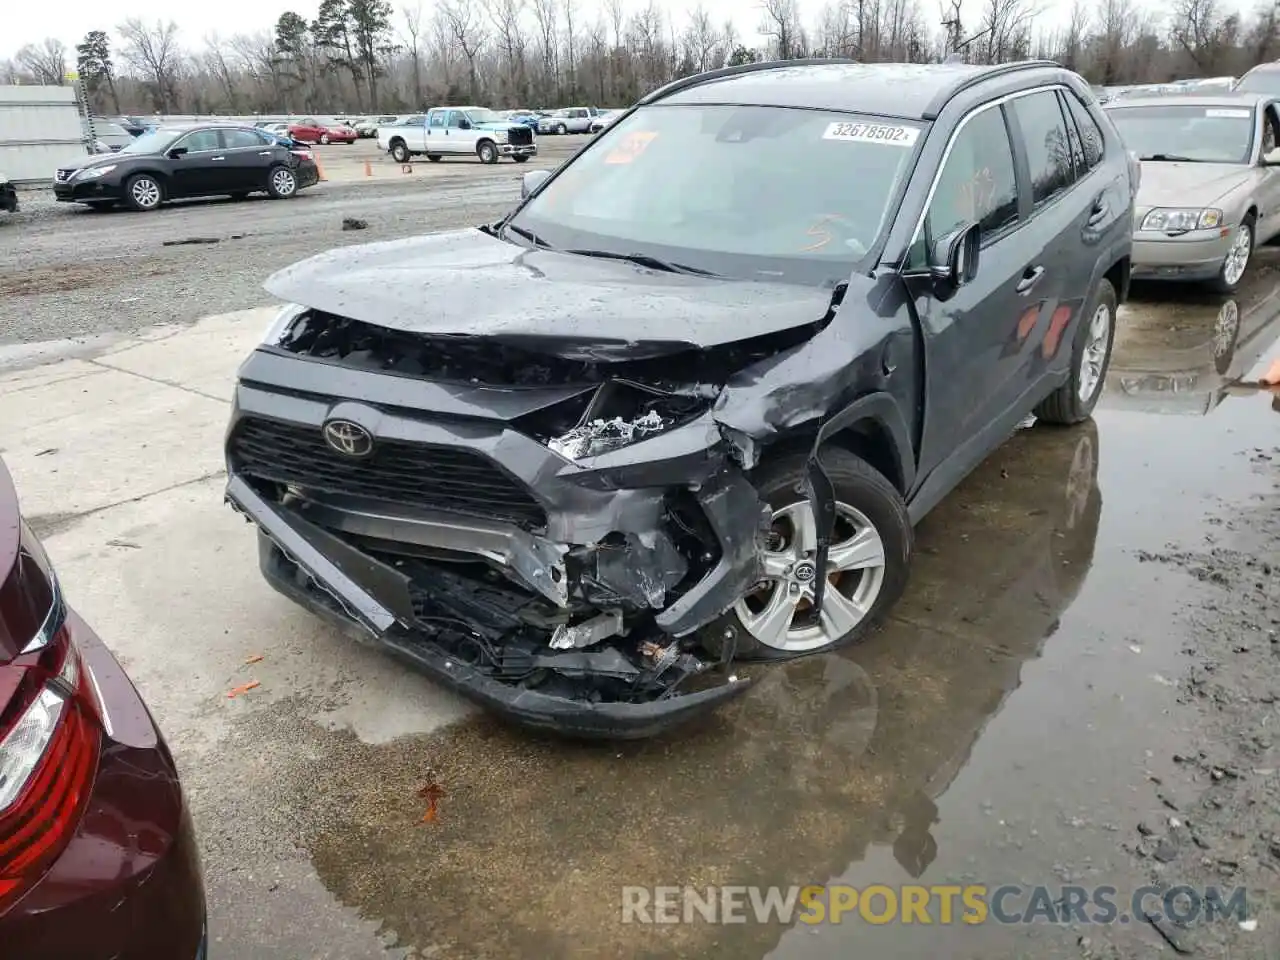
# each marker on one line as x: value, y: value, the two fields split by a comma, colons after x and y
x: 1030, y: 277
x: 217, y: 158
x: 265, y: 153
x: 1099, y: 211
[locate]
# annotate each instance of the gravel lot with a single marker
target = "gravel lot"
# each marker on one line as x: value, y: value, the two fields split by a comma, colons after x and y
x: 69, y: 273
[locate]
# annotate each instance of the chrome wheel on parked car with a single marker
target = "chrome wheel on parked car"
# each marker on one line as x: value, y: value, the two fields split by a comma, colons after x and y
x: 779, y: 613
x: 144, y: 193
x: 283, y: 183
x: 1238, y: 256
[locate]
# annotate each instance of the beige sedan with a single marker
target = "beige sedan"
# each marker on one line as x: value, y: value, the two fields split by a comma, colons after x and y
x: 1210, y: 190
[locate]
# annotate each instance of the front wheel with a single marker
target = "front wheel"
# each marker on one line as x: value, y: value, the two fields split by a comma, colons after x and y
x: 867, y: 562
x: 399, y: 152
x: 1236, y: 262
x: 487, y: 152
x: 434, y: 157
x: 324, y: 138
x: 561, y: 129
x: 143, y: 192
x: 1074, y: 401
x: 281, y: 183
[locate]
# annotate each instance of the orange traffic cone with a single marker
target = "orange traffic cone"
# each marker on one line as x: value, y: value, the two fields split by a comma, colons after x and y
x: 1272, y: 377
x: 319, y: 169
x: 368, y: 169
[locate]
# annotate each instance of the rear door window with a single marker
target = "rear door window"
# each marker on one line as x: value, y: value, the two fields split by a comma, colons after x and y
x: 1044, y: 136
x: 1083, y: 131
x: 243, y: 139
x: 437, y: 120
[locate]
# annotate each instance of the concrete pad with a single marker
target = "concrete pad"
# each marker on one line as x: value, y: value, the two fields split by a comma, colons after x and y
x: 204, y: 358
x: 45, y: 373
x: 85, y: 443
x: 171, y: 583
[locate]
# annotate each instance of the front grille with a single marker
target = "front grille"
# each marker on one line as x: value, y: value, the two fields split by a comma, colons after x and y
x: 413, y: 474
x: 520, y: 136
x: 62, y: 176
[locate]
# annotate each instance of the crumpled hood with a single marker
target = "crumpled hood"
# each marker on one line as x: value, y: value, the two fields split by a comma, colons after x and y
x: 1189, y: 184
x: 468, y: 283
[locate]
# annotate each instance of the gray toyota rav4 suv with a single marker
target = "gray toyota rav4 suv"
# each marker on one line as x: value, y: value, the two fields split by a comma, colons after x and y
x: 682, y: 406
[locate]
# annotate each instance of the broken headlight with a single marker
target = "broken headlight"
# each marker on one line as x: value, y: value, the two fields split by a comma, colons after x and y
x: 622, y: 413
x: 281, y: 323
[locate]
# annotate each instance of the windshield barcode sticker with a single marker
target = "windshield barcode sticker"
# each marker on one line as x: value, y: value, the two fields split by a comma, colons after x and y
x: 873, y: 133
x: 632, y: 145
x: 1220, y: 114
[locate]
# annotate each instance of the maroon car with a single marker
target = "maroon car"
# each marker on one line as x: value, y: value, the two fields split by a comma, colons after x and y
x: 97, y: 855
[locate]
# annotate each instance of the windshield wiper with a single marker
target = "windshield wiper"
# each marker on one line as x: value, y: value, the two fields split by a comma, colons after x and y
x: 645, y: 260
x: 529, y: 235
x: 1172, y: 157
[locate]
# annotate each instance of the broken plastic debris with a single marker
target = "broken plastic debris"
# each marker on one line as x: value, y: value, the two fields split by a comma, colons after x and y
x: 599, y: 436
x: 1248, y: 926
x: 588, y: 632
x: 256, y: 658
x: 243, y: 688
x: 431, y: 792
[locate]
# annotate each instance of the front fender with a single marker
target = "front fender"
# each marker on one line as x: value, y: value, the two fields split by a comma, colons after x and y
x: 881, y: 410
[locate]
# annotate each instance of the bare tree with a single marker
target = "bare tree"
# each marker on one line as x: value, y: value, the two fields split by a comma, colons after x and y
x: 1118, y: 26
x: 702, y: 40
x: 506, y: 16
x: 413, y: 31
x: 781, y: 24
x: 1207, y: 34
x: 153, y: 52
x: 547, y: 15
x: 469, y: 34
x: 45, y: 61
x: 215, y: 62
x: 1005, y: 30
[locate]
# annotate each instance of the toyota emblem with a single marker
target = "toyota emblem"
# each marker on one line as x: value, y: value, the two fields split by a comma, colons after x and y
x: 347, y: 438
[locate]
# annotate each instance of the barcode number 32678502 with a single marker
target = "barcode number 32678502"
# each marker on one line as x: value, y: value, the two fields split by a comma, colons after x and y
x: 891, y: 134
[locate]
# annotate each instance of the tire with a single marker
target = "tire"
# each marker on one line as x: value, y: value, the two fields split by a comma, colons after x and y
x: 866, y: 501
x: 1090, y: 358
x: 324, y: 138
x: 487, y: 152
x: 521, y: 158
x: 1232, y: 272
x: 143, y: 192
x: 282, y: 183
x: 561, y: 129
x: 399, y: 152
x: 434, y: 157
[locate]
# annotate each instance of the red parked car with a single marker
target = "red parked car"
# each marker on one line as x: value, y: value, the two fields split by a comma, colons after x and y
x: 311, y: 130
x: 97, y: 855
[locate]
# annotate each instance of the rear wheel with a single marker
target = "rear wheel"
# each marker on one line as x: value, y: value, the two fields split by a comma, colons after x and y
x: 867, y: 562
x: 324, y: 138
x: 561, y: 129
x: 487, y: 152
x: 1090, y: 356
x: 143, y: 192
x: 399, y: 152
x: 281, y: 183
x: 434, y: 157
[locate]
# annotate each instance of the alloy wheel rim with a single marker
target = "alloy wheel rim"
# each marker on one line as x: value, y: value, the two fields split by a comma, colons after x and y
x: 1238, y: 256
x: 146, y: 193
x: 283, y: 182
x: 1094, y: 354
x: 778, y: 612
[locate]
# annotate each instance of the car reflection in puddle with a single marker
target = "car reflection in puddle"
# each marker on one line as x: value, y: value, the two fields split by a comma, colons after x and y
x: 824, y: 759
x: 1184, y: 358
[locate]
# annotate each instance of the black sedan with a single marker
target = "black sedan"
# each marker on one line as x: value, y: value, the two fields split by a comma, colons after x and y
x: 195, y: 161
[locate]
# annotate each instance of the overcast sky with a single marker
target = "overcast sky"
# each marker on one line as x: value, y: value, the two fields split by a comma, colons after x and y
x: 26, y: 21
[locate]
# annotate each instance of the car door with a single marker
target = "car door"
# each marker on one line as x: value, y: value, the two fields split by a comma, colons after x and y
x: 201, y: 169
x: 308, y: 130
x: 966, y: 336
x: 1268, y: 195
x: 436, y: 135
x: 249, y: 155
x: 462, y: 133
x: 1058, y: 243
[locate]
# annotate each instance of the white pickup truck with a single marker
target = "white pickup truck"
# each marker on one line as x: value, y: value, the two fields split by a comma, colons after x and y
x: 459, y: 131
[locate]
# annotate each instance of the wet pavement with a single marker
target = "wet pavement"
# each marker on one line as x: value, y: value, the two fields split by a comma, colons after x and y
x: 1080, y: 686
x: 1014, y: 722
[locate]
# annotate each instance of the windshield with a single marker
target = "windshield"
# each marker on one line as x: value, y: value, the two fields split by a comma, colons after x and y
x: 1260, y: 81
x: 1185, y: 132
x: 483, y: 115
x: 755, y: 192
x: 155, y: 141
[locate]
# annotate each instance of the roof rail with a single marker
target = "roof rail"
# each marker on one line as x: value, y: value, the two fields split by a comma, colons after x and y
x: 935, y: 106
x: 700, y: 78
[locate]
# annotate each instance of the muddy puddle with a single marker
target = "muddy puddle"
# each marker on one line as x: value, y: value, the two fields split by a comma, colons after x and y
x: 1014, y: 722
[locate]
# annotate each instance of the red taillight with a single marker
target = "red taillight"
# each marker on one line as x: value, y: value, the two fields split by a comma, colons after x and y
x: 304, y: 154
x: 49, y: 744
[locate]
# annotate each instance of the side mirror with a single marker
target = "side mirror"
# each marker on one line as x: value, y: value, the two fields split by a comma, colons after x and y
x: 1271, y: 158
x: 954, y: 260
x: 177, y: 153
x: 464, y: 124
x: 532, y: 181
